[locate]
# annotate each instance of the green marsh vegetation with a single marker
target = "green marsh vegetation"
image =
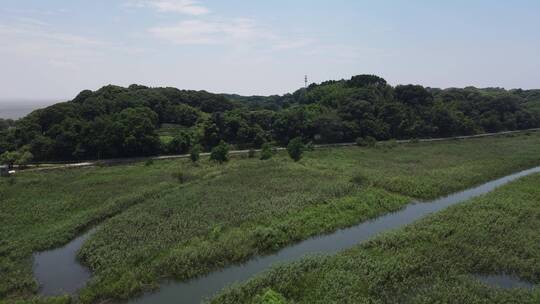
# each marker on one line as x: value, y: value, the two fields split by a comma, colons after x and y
x: 434, y: 260
x: 153, y: 227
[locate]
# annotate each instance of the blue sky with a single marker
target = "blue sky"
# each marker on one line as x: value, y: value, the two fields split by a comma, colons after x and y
x: 56, y: 48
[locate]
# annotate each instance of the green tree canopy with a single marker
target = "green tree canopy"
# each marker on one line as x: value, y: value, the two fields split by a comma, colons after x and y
x: 220, y: 153
x: 116, y: 121
x: 296, y: 148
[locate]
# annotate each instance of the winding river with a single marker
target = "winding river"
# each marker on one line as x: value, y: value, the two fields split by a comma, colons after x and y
x: 57, y: 271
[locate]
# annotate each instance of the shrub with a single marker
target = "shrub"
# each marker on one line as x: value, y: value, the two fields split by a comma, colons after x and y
x: 266, y: 151
x: 387, y: 145
x: 310, y: 146
x: 296, y: 148
x: 367, y: 141
x: 220, y: 153
x: 195, y: 153
x: 149, y: 162
x: 24, y: 159
x: 251, y: 153
x: 9, y: 158
x: 20, y: 158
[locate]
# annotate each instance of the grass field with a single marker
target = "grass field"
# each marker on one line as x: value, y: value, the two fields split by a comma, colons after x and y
x: 175, y: 219
x: 432, y: 261
x: 167, y: 132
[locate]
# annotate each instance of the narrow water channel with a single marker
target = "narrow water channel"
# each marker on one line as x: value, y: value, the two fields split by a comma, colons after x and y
x: 196, y: 290
x: 504, y: 281
x: 58, y: 272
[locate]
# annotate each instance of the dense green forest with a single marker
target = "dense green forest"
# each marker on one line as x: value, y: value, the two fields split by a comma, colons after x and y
x: 135, y: 121
x: 6, y: 123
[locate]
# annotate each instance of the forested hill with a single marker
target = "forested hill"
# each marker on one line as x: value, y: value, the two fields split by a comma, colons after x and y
x: 116, y: 122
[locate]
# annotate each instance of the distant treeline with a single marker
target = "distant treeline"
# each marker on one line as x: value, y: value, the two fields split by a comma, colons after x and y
x: 6, y: 123
x: 118, y: 122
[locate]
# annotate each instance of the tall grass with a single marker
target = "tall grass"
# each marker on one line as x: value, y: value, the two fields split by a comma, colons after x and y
x: 432, y: 261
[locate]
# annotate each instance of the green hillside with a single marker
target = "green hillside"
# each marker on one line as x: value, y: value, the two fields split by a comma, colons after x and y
x: 121, y: 122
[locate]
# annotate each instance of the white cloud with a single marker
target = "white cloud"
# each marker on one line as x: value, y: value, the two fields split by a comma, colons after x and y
x: 239, y: 32
x: 37, y: 42
x: 188, y: 7
x: 36, y: 30
x: 208, y: 32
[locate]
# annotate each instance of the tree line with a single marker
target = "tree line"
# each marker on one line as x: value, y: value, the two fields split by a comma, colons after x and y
x: 123, y: 122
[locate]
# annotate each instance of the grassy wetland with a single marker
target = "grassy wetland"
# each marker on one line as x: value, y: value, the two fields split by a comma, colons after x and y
x: 435, y: 260
x: 175, y: 219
